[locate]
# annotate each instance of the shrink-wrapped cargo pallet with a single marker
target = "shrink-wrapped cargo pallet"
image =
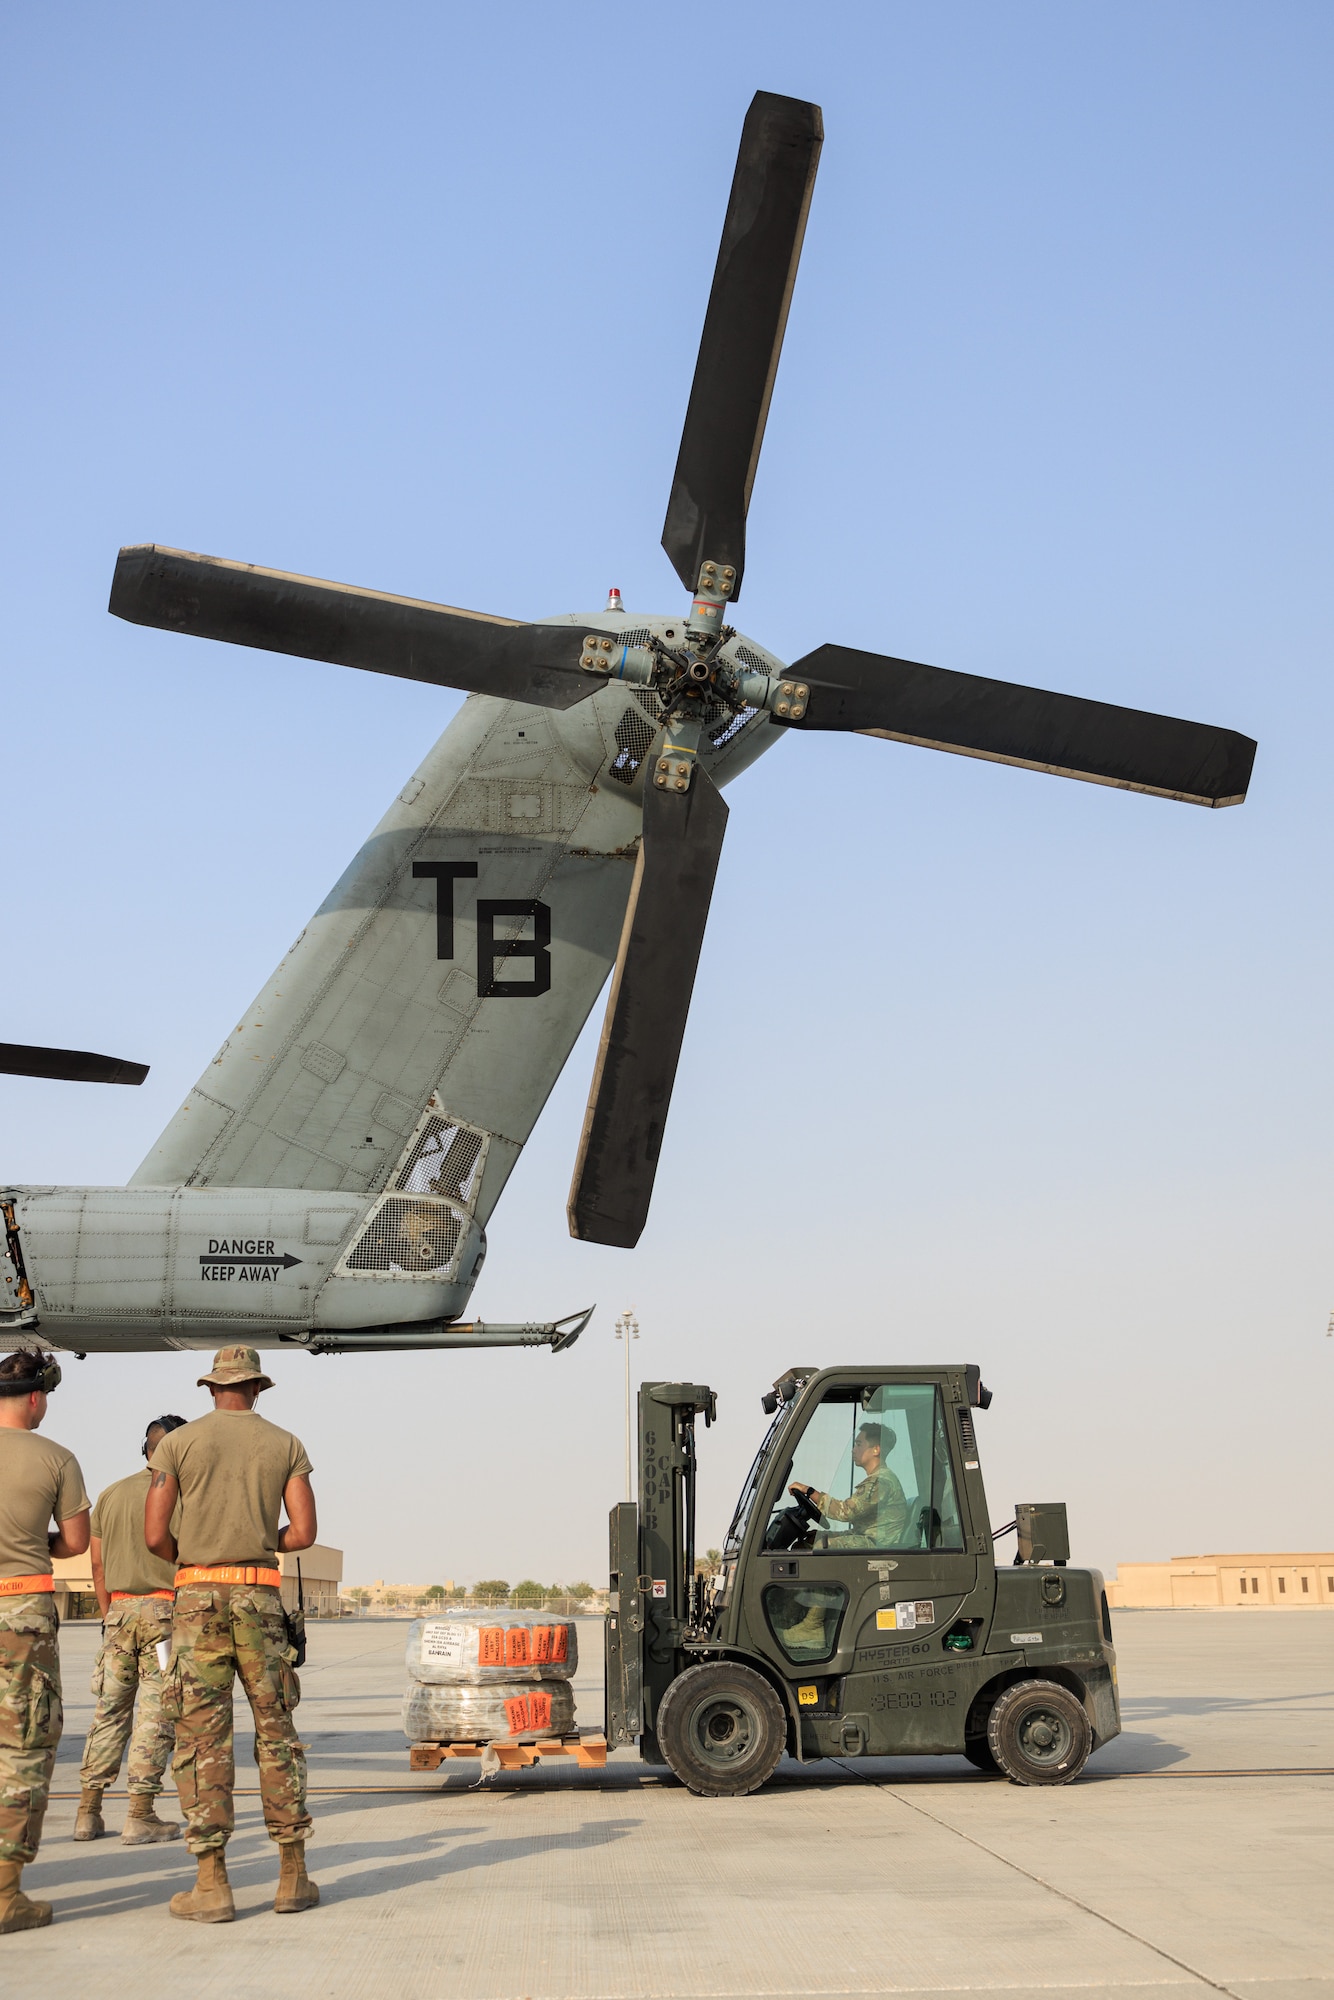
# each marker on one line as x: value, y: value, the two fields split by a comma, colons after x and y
x: 478, y: 1676
x: 471, y: 1648
x: 473, y: 1713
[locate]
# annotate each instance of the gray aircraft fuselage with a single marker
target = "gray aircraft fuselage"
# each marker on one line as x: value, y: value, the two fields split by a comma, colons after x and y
x: 328, y: 1180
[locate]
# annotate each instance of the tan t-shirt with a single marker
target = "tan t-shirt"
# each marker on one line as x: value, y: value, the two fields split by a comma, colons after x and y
x: 118, y: 1521
x: 40, y: 1482
x: 232, y: 1467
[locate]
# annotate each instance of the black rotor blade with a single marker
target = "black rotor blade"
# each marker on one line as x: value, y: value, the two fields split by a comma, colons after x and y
x: 68, y: 1065
x: 1006, y: 724
x: 743, y: 335
x: 646, y: 1014
x: 214, y: 599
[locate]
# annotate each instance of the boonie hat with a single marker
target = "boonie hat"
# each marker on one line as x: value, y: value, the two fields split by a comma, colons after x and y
x: 234, y: 1365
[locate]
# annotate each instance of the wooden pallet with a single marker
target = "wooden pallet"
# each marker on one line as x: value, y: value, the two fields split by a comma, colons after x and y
x: 515, y: 1752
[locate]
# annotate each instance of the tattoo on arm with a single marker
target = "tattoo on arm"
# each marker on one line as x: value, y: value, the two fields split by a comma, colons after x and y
x: 159, y: 1479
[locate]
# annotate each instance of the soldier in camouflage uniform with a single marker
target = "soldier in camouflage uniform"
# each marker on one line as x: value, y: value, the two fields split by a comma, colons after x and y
x: 39, y: 1482
x: 134, y: 1593
x: 878, y: 1510
x: 232, y: 1473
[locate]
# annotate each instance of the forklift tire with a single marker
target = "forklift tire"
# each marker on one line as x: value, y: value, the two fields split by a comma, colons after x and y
x: 722, y: 1730
x: 1039, y: 1734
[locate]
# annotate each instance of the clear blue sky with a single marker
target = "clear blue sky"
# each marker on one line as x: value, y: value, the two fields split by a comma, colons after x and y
x: 982, y: 1065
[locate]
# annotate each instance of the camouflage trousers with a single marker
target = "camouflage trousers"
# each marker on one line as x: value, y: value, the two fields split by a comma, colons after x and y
x: 127, y: 1666
x: 221, y: 1633
x: 31, y: 1718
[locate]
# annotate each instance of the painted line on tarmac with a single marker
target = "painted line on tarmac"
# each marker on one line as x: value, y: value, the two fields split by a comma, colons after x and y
x: 1094, y: 1777
x: 1041, y: 1882
x: 1247, y: 1771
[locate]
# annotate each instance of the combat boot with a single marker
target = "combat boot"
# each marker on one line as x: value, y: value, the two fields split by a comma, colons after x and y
x: 88, y: 1821
x: 17, y: 1911
x: 142, y: 1824
x: 296, y: 1891
x: 810, y: 1632
x: 210, y: 1901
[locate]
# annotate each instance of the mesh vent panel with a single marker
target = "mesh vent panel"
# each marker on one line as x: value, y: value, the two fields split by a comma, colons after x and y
x: 408, y: 1236
x: 634, y: 734
x: 444, y: 1161
x: 752, y: 660
x: 732, y: 727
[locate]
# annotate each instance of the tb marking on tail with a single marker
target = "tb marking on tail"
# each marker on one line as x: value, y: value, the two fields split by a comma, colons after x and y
x: 492, y: 952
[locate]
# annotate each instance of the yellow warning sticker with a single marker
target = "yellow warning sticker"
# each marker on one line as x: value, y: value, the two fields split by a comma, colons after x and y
x: 887, y: 1621
x: 808, y: 1697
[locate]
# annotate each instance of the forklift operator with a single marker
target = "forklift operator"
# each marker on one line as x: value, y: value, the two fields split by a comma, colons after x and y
x: 877, y: 1513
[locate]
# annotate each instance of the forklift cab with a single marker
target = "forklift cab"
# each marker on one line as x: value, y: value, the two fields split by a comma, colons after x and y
x: 858, y: 1610
x: 861, y: 1543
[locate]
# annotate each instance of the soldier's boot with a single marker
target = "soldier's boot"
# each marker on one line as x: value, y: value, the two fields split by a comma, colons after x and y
x: 210, y: 1901
x: 17, y: 1911
x: 88, y: 1821
x: 810, y: 1632
x: 296, y: 1891
x: 142, y: 1824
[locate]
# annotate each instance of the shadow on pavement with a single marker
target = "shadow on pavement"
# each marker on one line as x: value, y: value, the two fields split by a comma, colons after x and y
x: 127, y: 1879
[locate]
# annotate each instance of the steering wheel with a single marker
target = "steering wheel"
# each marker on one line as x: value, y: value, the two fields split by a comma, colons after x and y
x: 793, y: 1524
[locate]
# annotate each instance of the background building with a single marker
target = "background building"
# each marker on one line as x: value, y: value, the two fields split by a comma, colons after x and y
x: 321, y: 1572
x: 1294, y: 1582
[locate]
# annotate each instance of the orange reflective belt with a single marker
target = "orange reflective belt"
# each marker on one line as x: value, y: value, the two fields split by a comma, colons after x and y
x: 228, y: 1573
x: 116, y: 1595
x: 24, y: 1586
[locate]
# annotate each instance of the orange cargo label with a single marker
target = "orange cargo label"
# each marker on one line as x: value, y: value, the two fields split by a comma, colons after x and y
x: 516, y: 1714
x: 560, y: 1642
x: 518, y: 1651
x: 539, y: 1709
x: 491, y: 1646
x: 542, y: 1638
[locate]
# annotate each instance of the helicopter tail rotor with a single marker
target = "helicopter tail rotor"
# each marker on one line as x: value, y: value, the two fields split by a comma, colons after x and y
x: 68, y: 1065
x: 742, y: 337
x: 1071, y: 737
x: 646, y: 1013
x: 209, y: 597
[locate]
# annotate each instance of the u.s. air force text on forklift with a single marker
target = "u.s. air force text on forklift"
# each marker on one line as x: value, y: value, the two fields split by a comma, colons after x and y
x: 888, y: 1633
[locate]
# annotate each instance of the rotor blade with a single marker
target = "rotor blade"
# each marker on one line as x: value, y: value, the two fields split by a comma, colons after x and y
x: 1005, y: 724
x: 743, y: 335
x: 405, y: 636
x: 646, y: 1013
x: 68, y: 1065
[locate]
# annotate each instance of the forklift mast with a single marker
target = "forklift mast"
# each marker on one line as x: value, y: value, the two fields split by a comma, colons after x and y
x: 656, y: 1598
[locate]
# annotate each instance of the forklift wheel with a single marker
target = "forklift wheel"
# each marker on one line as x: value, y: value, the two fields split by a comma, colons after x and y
x: 722, y: 1730
x: 1039, y: 1734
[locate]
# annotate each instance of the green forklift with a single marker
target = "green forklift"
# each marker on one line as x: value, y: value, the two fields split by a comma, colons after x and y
x: 858, y: 1610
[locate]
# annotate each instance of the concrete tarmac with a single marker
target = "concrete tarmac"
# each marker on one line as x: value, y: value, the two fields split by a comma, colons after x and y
x: 1195, y: 1856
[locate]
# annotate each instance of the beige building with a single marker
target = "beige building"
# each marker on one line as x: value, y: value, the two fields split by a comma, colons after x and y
x: 321, y: 1573
x: 380, y: 1596
x: 1293, y: 1582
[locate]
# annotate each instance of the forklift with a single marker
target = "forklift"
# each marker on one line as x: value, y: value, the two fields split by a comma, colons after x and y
x: 858, y: 1610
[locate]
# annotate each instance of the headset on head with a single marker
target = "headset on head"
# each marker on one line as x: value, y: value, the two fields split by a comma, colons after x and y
x: 43, y: 1381
x: 164, y: 1424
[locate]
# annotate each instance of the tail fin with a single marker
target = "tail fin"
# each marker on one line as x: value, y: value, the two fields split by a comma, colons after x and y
x: 415, y: 1029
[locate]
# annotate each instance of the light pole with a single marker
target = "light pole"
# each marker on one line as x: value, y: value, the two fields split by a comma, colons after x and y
x: 627, y: 1329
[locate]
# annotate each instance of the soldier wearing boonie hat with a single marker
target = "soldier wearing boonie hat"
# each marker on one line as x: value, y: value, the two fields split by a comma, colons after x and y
x: 40, y: 1482
x: 232, y: 1473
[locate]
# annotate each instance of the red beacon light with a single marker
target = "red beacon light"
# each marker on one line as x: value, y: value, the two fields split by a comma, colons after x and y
x: 614, y: 600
